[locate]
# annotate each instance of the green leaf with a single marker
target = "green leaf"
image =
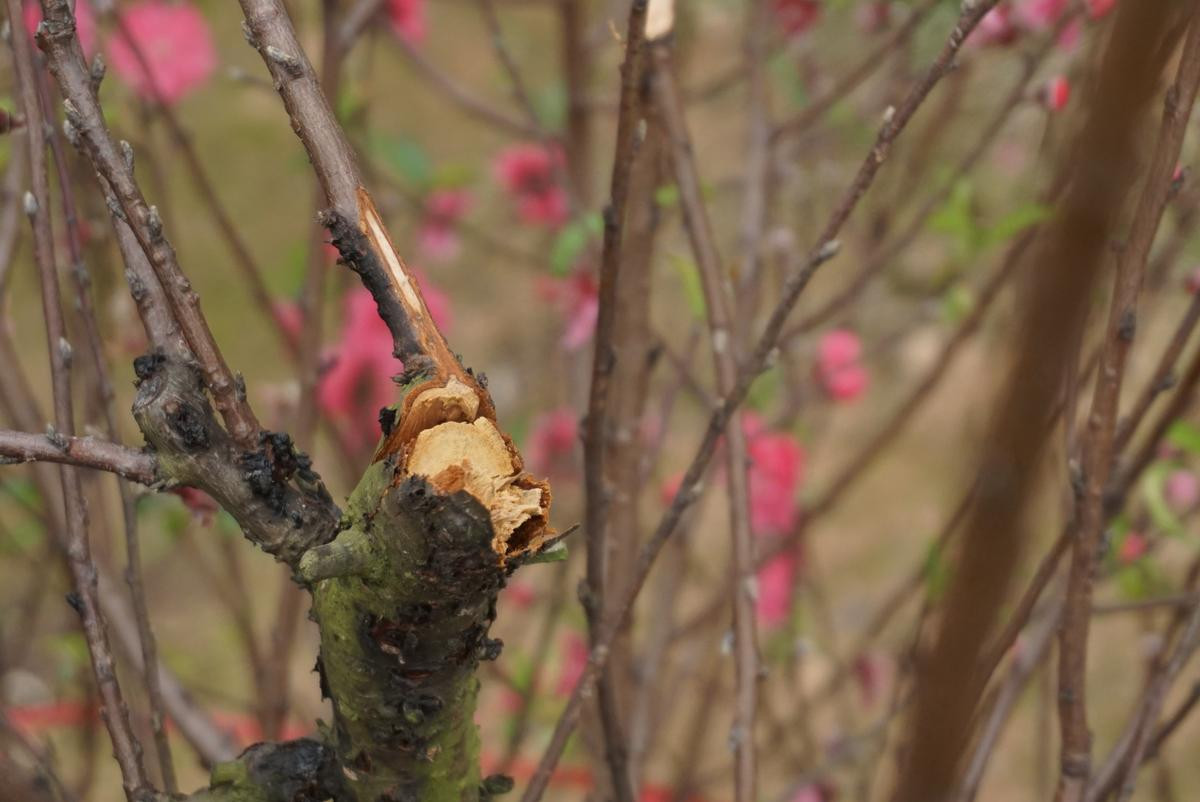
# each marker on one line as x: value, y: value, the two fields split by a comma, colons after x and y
x: 1153, y: 487
x: 693, y: 290
x: 1184, y: 435
x: 404, y: 157
x: 571, y: 242
x: 1014, y: 223
x: 956, y: 218
x: 667, y: 196
x: 937, y: 573
x: 555, y: 553
x: 957, y: 303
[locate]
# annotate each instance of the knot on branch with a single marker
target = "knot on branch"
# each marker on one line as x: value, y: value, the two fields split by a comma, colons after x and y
x: 303, y: 770
x: 272, y: 492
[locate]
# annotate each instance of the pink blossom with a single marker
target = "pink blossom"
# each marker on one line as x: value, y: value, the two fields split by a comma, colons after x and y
x: 176, y: 43
x: 873, y: 16
x: 670, y: 488
x: 996, y: 28
x: 289, y: 317
x: 797, y: 16
x: 1068, y: 40
x: 578, y: 300
x: 1056, y: 93
x: 1098, y: 8
x: 85, y: 23
x: 1132, y: 548
x: 776, y: 580
x: 1192, y: 283
x: 438, y: 235
x: 529, y: 172
x: 776, y: 471
x: 407, y: 18
x: 838, y: 369
x: 810, y: 792
x: 359, y: 381
x: 873, y: 672
x: 1040, y: 15
x: 202, y: 506
x: 574, y: 661
x: 519, y: 593
x: 553, y: 440
x: 1182, y: 490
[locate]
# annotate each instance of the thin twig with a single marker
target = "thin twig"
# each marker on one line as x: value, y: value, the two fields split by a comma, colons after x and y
x: 126, y: 748
x: 84, y: 452
x: 1098, y: 452
x: 86, y: 121
x: 825, y: 248
x: 597, y: 423
x: 723, y: 331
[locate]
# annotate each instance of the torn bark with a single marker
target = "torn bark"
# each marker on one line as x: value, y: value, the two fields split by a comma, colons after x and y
x: 272, y: 491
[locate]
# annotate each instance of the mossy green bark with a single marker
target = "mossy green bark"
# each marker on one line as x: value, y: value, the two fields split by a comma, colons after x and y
x: 404, y: 597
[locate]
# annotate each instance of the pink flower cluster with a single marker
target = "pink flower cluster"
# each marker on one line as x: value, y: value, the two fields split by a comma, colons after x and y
x: 839, y: 370
x: 438, y: 235
x: 529, y: 173
x: 552, y: 442
x: 796, y: 16
x: 407, y: 19
x: 577, y: 298
x: 776, y: 473
x: 176, y: 44
x: 358, y: 381
x: 1005, y: 23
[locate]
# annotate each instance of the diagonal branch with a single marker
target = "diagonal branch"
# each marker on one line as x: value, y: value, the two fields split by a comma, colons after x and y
x: 87, y: 129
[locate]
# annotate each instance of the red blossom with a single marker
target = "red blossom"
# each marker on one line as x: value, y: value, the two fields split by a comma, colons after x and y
x: 776, y: 580
x: 1056, y: 93
x: 1040, y: 15
x: 359, y: 380
x: 578, y: 300
x: 438, y: 235
x: 797, y: 16
x: 996, y: 28
x: 553, y: 440
x: 1182, y: 490
x: 176, y: 43
x: 529, y: 173
x: 574, y: 661
x: 873, y: 16
x: 838, y: 369
x: 201, y: 505
x: 776, y: 472
x: 1132, y: 548
x: 1098, y: 8
x: 407, y: 19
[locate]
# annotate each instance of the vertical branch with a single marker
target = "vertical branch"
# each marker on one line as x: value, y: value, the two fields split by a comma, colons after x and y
x: 576, y: 59
x: 803, y: 270
x: 597, y: 423
x: 56, y: 34
x: 1097, y: 460
x: 719, y: 303
x: 133, y: 560
x: 83, y: 571
x: 1100, y: 163
x: 758, y: 149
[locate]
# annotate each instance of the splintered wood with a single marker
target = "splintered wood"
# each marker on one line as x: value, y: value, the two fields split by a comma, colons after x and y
x: 455, y: 448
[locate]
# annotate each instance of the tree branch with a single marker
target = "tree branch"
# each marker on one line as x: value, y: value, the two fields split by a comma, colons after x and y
x: 84, y: 452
